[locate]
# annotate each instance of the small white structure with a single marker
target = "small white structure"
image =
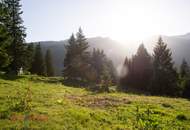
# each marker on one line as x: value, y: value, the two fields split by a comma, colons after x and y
x: 20, y: 71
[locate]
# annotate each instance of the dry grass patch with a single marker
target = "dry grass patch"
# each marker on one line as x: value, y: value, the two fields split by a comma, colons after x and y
x: 31, y: 117
x: 97, y: 101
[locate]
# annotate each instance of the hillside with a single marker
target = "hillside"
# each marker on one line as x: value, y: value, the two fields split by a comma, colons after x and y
x: 180, y: 46
x: 56, y: 106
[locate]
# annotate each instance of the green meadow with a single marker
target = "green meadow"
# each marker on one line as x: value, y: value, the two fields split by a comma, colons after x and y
x: 58, y: 107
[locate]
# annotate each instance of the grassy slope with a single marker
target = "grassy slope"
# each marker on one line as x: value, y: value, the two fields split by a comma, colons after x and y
x: 56, y: 106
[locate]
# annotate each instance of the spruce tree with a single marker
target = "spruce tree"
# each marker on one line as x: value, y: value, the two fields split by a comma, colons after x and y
x: 104, y: 70
x: 38, y: 65
x: 185, y: 79
x: 98, y: 63
x: 127, y: 74
x: 106, y: 80
x: 49, y: 66
x: 5, y: 39
x: 70, y: 71
x: 16, y: 30
x: 186, y: 88
x: 184, y: 69
x: 30, y: 56
x: 164, y: 75
x: 82, y: 43
x: 112, y: 71
x: 142, y: 65
x: 5, y: 59
x: 3, y: 13
x: 83, y: 55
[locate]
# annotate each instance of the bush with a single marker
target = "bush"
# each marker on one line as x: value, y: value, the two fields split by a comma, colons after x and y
x: 181, y: 117
x: 4, y: 114
x: 112, y: 89
x: 167, y: 105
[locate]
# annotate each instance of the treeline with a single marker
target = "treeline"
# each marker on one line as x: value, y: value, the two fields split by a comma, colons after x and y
x: 85, y: 67
x: 15, y: 54
x: 41, y: 64
x: 155, y: 74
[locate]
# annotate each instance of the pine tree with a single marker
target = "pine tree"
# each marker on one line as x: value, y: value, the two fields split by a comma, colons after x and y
x: 112, y: 71
x: 126, y: 74
x: 49, y: 66
x: 4, y: 44
x: 184, y: 69
x: 186, y: 88
x: 5, y: 39
x: 142, y: 65
x: 185, y: 79
x: 106, y: 80
x: 3, y: 13
x: 82, y: 67
x: 16, y: 30
x: 83, y: 55
x: 103, y: 69
x: 137, y: 71
x: 82, y: 43
x: 70, y: 71
x: 30, y: 56
x: 38, y: 65
x: 164, y: 75
x: 98, y: 63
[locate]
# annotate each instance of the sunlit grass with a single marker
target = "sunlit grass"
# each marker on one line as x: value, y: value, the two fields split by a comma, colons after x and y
x: 55, y: 106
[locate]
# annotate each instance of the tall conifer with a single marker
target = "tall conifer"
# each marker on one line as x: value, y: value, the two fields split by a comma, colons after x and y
x: 184, y: 69
x: 16, y: 30
x: 5, y: 39
x: 49, y: 65
x: 83, y: 54
x: 164, y: 74
x: 38, y: 65
x: 142, y: 65
x: 70, y: 71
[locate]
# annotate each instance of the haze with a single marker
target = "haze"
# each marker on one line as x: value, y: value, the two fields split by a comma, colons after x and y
x: 118, y: 19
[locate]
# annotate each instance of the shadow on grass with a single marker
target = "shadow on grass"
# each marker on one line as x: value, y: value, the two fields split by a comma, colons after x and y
x: 131, y: 90
x: 75, y: 83
x: 10, y: 77
x: 51, y: 80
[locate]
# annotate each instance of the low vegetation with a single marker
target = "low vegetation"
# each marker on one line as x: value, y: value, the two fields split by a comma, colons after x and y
x: 45, y: 103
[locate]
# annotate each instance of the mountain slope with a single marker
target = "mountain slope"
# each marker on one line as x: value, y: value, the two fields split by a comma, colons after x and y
x: 116, y: 51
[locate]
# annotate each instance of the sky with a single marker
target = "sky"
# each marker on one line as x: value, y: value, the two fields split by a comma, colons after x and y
x: 120, y: 20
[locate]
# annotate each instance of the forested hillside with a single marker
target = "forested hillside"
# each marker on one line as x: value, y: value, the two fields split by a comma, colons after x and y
x: 180, y: 46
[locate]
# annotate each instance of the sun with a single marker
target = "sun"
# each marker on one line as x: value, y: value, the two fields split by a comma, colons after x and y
x: 132, y: 22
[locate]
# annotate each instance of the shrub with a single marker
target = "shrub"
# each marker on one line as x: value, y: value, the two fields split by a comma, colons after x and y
x: 4, y: 114
x: 167, y: 105
x: 181, y: 117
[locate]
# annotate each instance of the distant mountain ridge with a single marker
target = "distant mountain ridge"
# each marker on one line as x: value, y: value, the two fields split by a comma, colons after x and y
x: 179, y: 45
x: 116, y: 51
